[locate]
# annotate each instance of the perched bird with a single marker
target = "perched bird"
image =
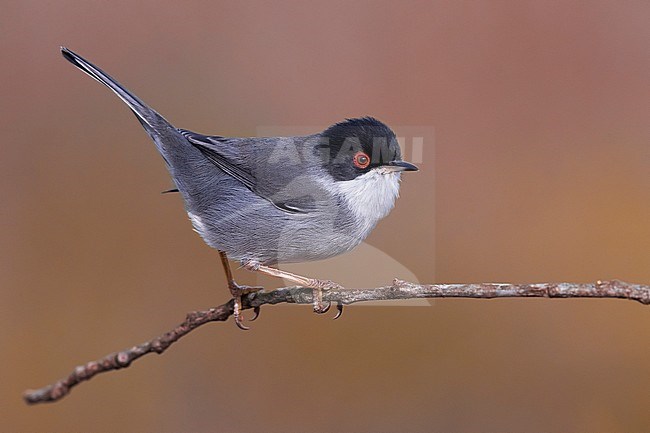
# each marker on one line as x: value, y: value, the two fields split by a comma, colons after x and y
x: 270, y: 200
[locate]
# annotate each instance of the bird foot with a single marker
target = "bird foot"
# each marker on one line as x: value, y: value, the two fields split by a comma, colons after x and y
x: 319, y: 305
x: 317, y: 286
x: 237, y: 292
x: 317, y: 294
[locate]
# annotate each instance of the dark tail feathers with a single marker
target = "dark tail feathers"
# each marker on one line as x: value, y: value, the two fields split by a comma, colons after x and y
x: 149, y: 118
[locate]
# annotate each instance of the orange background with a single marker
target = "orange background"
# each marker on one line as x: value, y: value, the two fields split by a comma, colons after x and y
x: 538, y: 170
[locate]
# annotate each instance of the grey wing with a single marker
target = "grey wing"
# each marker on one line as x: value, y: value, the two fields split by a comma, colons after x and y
x: 272, y: 168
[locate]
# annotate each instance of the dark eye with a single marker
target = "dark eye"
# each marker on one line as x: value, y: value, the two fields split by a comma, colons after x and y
x: 361, y: 160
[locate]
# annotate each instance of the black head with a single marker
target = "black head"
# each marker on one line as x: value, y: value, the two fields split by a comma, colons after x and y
x: 355, y: 146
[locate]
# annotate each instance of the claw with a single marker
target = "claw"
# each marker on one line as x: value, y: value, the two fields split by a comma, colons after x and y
x: 256, y: 312
x: 241, y: 325
x: 339, y: 308
x: 319, y: 309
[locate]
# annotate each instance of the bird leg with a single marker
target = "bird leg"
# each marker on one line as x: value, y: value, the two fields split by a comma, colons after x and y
x: 237, y: 292
x: 316, y: 285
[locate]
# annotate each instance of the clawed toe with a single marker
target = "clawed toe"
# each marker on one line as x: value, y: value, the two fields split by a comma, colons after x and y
x: 256, y: 314
x: 317, y: 301
x: 322, y: 308
x: 318, y: 286
x: 236, y: 313
x: 339, y: 309
x: 240, y: 290
x: 239, y: 324
x: 237, y: 292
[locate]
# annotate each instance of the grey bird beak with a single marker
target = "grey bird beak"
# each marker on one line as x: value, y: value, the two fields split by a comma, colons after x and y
x: 401, y: 166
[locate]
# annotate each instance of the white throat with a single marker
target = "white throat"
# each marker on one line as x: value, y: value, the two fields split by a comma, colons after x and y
x: 370, y: 196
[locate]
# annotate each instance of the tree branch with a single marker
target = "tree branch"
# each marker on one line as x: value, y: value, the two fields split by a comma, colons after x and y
x: 299, y: 295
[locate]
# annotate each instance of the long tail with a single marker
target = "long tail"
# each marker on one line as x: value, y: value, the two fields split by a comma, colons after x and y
x: 161, y: 131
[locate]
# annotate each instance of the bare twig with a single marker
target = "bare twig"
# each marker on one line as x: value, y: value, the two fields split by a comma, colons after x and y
x: 298, y: 295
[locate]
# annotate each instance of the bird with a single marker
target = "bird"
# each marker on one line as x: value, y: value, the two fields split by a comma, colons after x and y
x: 263, y: 201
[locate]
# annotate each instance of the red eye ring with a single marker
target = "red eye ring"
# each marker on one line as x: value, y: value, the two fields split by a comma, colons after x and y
x: 361, y: 160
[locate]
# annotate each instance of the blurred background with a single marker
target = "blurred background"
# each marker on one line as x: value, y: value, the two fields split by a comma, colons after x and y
x: 535, y: 167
